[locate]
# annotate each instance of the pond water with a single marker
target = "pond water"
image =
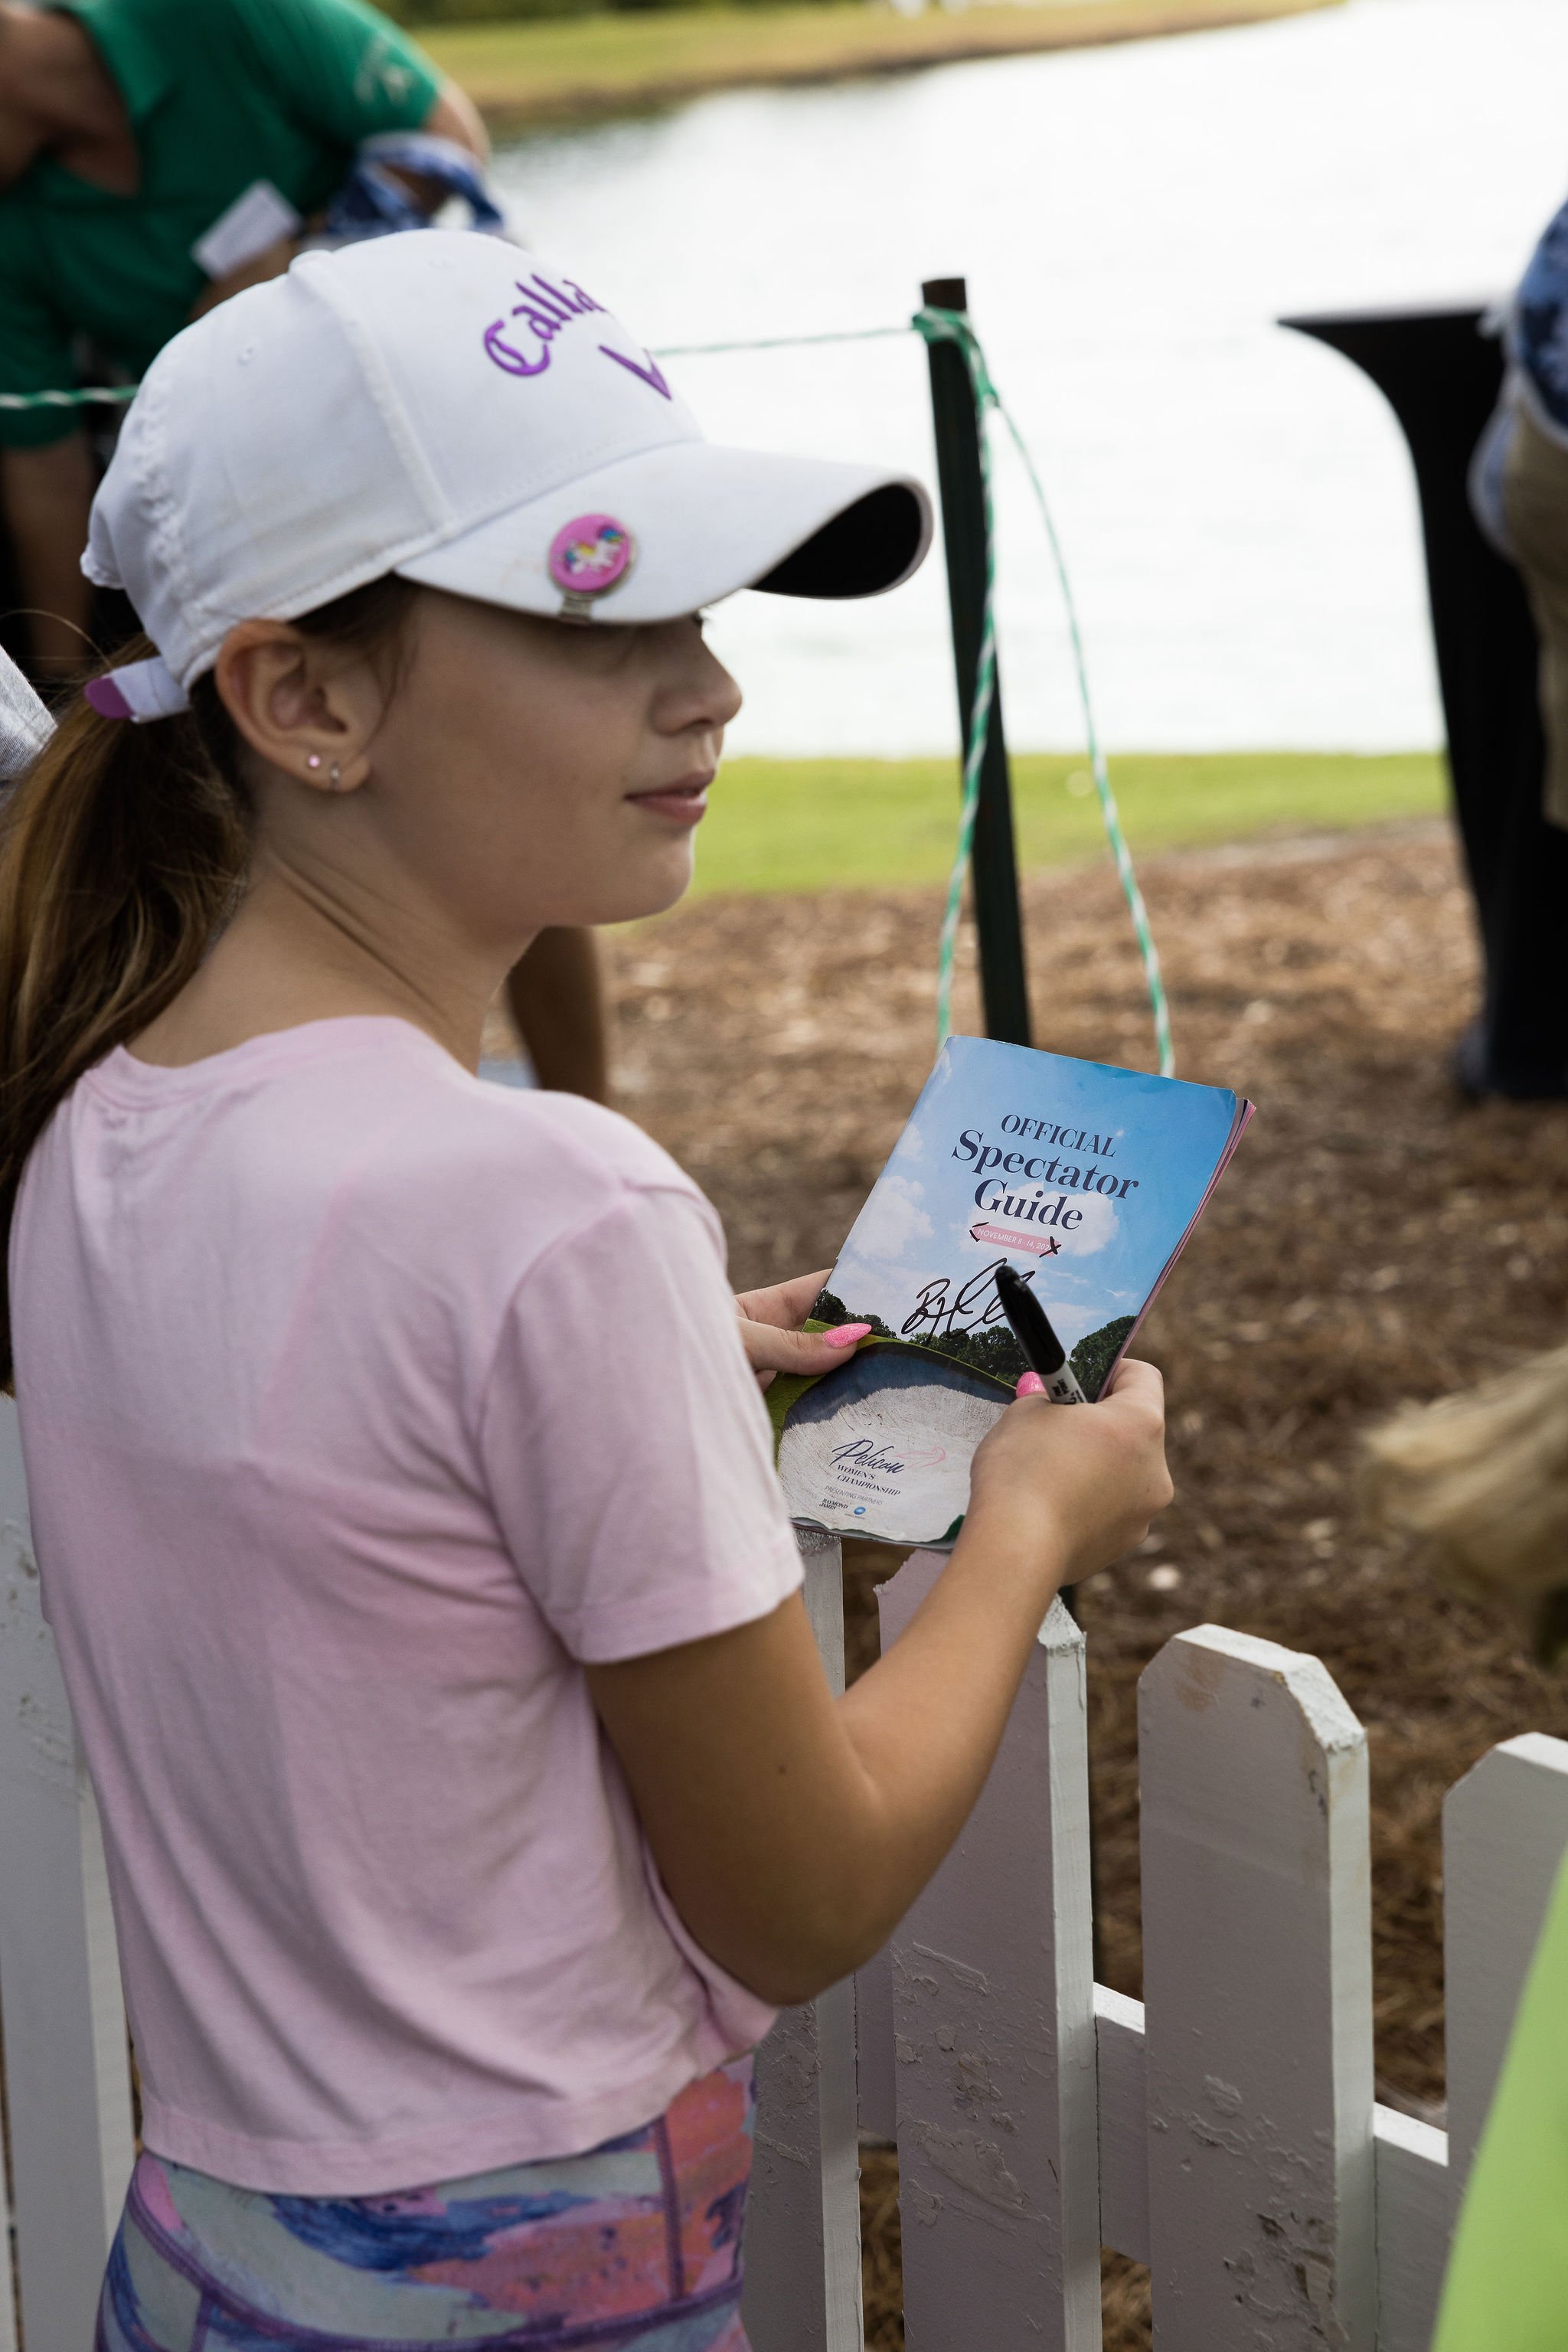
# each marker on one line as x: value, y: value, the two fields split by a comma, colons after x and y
x: 1236, y: 503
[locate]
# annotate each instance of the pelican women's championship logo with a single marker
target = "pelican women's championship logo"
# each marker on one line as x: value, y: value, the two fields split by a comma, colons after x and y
x: 590, y: 555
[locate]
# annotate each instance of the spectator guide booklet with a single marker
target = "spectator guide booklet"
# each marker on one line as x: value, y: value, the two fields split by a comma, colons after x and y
x: 1087, y: 1180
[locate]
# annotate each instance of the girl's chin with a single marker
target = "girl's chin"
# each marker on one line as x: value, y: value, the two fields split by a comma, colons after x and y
x: 653, y: 889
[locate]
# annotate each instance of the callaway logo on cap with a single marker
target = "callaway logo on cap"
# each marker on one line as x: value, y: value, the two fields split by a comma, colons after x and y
x: 449, y: 407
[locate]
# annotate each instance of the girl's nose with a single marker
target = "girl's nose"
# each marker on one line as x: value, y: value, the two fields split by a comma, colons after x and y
x: 702, y: 694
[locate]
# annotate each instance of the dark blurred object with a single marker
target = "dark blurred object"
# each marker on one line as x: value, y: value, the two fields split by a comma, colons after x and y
x: 399, y: 179
x: 113, y: 619
x: 958, y: 428
x: 1441, y: 376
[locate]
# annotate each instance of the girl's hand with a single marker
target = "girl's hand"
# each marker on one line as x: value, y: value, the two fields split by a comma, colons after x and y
x: 771, y: 1336
x: 1087, y: 1479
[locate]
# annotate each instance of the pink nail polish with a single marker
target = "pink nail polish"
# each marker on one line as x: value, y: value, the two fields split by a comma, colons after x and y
x: 845, y: 1334
x: 1030, y: 1385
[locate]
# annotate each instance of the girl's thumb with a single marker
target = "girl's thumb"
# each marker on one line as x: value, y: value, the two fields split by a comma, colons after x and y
x: 771, y: 1350
x: 818, y: 1351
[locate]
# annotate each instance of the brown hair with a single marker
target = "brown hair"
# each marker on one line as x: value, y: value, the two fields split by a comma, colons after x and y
x: 122, y: 852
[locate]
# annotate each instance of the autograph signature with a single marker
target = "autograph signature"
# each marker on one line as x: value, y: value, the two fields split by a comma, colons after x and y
x: 973, y: 1305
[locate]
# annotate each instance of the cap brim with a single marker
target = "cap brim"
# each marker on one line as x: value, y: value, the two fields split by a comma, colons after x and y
x: 704, y: 522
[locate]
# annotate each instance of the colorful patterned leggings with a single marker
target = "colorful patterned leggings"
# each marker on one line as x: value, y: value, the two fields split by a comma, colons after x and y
x: 637, y: 2244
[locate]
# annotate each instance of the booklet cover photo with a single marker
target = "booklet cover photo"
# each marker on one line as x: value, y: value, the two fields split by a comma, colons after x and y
x: 1087, y: 1180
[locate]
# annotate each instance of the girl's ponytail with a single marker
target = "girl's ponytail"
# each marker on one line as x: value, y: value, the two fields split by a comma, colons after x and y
x: 122, y: 850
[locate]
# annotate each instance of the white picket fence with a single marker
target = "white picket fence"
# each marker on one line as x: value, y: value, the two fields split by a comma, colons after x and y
x: 1223, y: 2131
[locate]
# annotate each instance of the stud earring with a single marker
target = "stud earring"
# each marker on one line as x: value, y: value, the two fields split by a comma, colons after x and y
x: 336, y: 776
x: 312, y: 760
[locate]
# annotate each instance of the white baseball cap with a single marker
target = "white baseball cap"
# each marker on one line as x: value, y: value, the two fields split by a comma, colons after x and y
x: 450, y: 408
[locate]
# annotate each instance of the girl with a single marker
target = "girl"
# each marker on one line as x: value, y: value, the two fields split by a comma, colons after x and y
x: 425, y: 1596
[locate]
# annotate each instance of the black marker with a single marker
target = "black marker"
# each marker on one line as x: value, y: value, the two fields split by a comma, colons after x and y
x: 1031, y: 1327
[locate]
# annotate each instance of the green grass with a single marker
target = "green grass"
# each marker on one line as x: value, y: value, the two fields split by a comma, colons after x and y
x: 565, y: 66
x: 850, y: 825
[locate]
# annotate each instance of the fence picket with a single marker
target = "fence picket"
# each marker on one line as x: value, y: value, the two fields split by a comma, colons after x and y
x: 1257, y: 1993
x: 1123, y: 2123
x: 68, y: 2075
x: 993, y: 2017
x: 1412, y: 2168
x: 1505, y: 1831
x: 803, y: 2228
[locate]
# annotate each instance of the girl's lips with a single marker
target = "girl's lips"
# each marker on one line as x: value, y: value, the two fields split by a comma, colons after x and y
x: 682, y: 804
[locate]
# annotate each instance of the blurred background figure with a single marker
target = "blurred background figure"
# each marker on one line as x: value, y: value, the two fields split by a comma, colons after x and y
x: 156, y: 156
x: 1519, y: 490
x: 1484, y: 1476
x: 1519, y: 480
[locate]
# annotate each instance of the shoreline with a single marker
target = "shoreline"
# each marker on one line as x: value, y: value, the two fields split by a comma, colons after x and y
x: 781, y: 827
x: 524, y: 75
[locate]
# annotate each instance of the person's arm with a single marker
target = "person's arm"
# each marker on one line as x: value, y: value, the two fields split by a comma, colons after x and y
x: 629, y: 1462
x: 347, y: 73
x: 453, y: 116
x: 556, y: 996
x: 47, y: 494
x: 793, y: 1830
x: 46, y: 461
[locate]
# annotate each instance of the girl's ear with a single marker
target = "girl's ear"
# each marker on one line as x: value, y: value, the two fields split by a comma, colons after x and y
x: 300, y: 706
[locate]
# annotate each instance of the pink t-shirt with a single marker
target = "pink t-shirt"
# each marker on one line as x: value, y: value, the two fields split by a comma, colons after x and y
x: 360, y: 1402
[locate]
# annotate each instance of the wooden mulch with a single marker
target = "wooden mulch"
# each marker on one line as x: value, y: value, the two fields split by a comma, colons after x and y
x: 1375, y: 1239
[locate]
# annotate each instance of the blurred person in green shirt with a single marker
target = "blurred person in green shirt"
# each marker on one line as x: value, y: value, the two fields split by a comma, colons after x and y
x: 129, y: 128
x: 155, y: 156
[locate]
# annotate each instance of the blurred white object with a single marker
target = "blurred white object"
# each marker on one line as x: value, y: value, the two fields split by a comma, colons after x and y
x: 25, y: 724
x: 253, y: 222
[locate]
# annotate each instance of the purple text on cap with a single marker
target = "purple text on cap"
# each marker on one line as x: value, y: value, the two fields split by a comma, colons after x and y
x: 544, y: 310
x: 653, y: 373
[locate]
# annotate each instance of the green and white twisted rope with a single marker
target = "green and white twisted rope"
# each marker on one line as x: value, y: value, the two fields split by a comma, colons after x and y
x: 952, y: 327
x: 83, y: 395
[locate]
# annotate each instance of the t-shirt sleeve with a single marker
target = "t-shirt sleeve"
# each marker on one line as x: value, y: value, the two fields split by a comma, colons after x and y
x: 343, y: 68
x: 624, y: 1442
x: 34, y: 349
